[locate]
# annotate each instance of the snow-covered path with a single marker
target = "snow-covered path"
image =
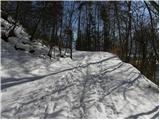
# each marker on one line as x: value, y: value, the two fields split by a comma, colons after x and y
x: 92, y: 85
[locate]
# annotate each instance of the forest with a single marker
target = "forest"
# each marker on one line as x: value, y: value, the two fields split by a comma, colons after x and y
x: 128, y: 29
x: 80, y: 59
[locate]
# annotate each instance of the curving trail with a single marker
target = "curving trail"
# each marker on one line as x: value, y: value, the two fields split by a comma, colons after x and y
x: 92, y: 85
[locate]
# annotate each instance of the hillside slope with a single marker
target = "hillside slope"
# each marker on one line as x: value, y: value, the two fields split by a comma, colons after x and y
x: 92, y: 85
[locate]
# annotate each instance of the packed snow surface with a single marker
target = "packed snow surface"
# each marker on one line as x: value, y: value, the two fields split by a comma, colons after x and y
x: 91, y: 85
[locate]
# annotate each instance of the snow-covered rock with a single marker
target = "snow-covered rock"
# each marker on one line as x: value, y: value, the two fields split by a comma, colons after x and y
x: 20, y: 41
x: 5, y: 24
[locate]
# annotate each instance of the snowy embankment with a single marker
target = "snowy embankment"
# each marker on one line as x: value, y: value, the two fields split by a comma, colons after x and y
x: 92, y: 85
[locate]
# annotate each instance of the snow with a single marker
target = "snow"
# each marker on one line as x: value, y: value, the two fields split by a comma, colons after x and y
x: 92, y: 85
x: 98, y: 85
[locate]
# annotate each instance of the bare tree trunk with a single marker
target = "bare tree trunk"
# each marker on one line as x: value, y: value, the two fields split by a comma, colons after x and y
x: 51, y: 42
x: 119, y: 27
x: 70, y: 33
x: 128, y: 31
x: 11, y: 32
x: 60, y: 40
x: 35, y: 29
x: 79, y: 32
x: 153, y: 31
x: 98, y: 36
x: 71, y: 45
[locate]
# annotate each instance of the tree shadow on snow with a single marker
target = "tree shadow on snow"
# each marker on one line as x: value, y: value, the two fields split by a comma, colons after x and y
x: 145, y: 113
x: 8, y: 82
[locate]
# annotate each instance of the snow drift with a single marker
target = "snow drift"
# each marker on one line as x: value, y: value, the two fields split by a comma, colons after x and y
x: 92, y: 85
